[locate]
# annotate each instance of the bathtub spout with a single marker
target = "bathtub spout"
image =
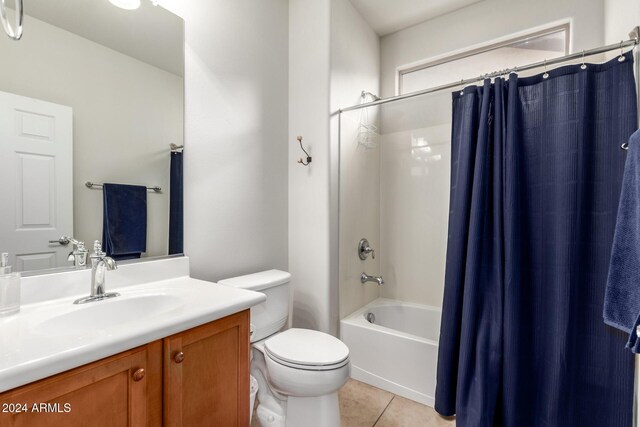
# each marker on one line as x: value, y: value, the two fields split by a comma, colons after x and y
x: 364, y: 278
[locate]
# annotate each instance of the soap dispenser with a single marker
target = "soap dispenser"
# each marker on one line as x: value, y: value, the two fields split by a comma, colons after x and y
x: 9, y: 288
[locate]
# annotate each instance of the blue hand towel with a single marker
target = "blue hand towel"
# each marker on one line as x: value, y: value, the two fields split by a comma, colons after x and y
x: 622, y: 296
x: 124, y: 230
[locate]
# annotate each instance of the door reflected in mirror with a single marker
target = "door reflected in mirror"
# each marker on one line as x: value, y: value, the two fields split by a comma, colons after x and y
x: 91, y: 93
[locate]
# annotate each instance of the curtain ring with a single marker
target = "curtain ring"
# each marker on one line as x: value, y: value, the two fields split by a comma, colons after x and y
x: 583, y: 66
x: 625, y: 146
x: 621, y: 57
x: 545, y: 75
x: 462, y: 85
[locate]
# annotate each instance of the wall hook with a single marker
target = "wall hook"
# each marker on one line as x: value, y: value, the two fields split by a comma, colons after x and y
x: 300, y: 160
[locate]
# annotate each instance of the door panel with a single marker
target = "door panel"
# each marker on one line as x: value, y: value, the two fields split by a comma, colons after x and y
x: 36, y: 170
x: 35, y: 190
x: 28, y: 262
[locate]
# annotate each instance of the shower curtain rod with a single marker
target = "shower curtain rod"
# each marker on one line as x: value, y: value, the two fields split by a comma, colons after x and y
x: 634, y: 40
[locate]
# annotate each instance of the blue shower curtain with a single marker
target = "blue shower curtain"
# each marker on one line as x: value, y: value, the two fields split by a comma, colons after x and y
x: 176, y: 205
x: 535, y: 182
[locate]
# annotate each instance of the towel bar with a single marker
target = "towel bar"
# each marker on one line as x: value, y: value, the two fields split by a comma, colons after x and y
x: 90, y: 184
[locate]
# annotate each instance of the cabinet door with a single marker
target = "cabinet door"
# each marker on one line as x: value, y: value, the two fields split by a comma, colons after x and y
x: 206, y: 374
x: 111, y: 392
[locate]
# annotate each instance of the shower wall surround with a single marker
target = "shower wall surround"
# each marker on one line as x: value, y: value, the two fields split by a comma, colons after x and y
x: 415, y: 147
x: 414, y: 193
x: 355, y: 67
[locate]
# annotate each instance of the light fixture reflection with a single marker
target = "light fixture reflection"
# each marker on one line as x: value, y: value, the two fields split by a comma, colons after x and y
x: 126, y: 4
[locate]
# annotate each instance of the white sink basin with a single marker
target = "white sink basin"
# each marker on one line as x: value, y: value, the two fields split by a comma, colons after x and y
x: 110, y: 312
x: 157, y: 299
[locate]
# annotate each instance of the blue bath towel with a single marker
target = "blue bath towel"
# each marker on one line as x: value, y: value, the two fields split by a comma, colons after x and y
x: 622, y: 296
x: 124, y: 230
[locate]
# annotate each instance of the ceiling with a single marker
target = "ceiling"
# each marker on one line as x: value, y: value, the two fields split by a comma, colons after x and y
x: 150, y: 34
x: 388, y: 16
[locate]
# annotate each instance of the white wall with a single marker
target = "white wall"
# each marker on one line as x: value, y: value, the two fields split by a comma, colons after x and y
x: 236, y: 143
x: 333, y: 56
x: 485, y: 21
x: 309, y: 240
x: 355, y: 66
x: 125, y: 115
x: 236, y: 216
x: 620, y: 17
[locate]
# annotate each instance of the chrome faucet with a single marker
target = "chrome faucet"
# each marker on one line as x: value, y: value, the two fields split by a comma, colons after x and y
x: 100, y: 263
x: 364, y: 278
x: 364, y: 249
x: 79, y: 254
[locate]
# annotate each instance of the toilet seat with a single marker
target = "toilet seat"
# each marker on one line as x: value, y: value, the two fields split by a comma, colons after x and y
x: 306, y: 349
x: 307, y: 367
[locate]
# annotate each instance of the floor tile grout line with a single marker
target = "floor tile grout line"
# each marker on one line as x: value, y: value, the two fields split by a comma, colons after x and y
x: 383, y: 411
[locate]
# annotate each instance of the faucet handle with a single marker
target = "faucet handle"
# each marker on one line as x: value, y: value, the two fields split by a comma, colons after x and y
x: 97, y: 249
x: 65, y: 240
x: 364, y: 249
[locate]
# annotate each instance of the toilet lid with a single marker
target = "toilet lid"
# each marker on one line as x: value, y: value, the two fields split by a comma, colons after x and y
x: 306, y: 347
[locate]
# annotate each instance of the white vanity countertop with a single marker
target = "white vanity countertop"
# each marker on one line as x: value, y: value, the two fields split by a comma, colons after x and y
x: 52, y: 336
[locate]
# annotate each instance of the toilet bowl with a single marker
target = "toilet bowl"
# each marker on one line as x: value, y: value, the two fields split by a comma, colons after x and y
x: 299, y: 371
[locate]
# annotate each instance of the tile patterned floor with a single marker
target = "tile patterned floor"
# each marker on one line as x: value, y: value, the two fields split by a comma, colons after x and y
x: 362, y: 405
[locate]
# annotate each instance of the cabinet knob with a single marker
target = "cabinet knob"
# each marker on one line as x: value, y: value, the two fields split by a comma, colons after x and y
x: 139, y: 374
x: 178, y: 357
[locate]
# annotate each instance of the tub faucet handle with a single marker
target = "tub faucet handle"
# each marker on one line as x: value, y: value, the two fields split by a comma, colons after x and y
x: 364, y: 249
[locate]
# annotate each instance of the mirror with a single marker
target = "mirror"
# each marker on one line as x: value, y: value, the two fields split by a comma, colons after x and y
x: 91, y: 93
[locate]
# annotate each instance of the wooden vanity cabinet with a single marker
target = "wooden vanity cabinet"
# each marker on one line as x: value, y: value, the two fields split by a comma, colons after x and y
x: 112, y: 392
x: 206, y: 374
x: 199, y: 377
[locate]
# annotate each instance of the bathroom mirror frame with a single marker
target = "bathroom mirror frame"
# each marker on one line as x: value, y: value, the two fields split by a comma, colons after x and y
x: 177, y: 46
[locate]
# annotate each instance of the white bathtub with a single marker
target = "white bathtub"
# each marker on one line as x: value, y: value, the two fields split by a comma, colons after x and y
x: 399, y: 351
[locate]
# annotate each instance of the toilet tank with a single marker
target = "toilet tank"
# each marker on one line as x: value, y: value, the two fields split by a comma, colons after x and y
x: 270, y: 316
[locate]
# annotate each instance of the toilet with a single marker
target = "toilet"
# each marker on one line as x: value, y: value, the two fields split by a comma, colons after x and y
x: 299, y: 371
